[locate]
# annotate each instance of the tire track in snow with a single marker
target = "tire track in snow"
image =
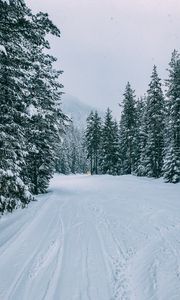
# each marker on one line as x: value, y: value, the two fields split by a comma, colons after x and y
x: 87, y: 276
x: 24, y: 226
x: 115, y: 255
x: 26, y: 265
x: 54, y: 280
x: 82, y: 257
x: 90, y: 259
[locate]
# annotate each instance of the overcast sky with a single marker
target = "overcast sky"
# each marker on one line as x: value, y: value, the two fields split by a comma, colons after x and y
x: 105, y: 43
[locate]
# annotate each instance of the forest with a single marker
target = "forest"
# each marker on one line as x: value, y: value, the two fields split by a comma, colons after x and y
x: 144, y: 142
x: 36, y: 136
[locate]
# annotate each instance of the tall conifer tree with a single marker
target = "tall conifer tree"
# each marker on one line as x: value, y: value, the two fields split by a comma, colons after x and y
x: 31, y: 120
x: 155, y: 115
x: 141, y: 135
x: 171, y: 166
x: 128, y: 124
x: 13, y: 62
x: 93, y: 140
x: 109, y: 162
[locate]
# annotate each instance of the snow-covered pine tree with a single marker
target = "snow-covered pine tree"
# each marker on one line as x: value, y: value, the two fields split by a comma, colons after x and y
x: 93, y: 140
x: 89, y: 138
x: 155, y: 121
x: 141, y: 135
x: 46, y: 120
x: 116, y: 161
x: 84, y: 162
x: 31, y: 120
x: 13, y: 61
x: 96, y: 141
x: 128, y: 124
x: 171, y: 167
x: 109, y: 161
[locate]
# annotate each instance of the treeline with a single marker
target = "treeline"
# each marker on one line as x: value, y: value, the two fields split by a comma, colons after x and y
x: 146, y: 141
x: 72, y: 154
x: 31, y: 120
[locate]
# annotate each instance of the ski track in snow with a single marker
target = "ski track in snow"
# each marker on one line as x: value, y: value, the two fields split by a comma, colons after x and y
x: 94, y: 238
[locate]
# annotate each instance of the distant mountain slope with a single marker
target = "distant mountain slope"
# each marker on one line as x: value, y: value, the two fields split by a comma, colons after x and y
x: 77, y: 110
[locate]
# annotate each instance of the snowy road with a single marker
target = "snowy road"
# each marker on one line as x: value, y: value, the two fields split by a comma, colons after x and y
x: 94, y: 238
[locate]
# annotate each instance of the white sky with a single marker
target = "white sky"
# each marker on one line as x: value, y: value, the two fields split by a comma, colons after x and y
x: 105, y: 43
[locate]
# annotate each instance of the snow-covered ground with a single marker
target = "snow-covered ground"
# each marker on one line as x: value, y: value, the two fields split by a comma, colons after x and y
x: 94, y: 238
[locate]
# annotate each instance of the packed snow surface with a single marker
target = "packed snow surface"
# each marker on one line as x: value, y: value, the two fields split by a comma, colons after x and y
x: 94, y: 238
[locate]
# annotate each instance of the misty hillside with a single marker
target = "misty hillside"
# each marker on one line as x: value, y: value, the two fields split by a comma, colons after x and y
x: 77, y: 110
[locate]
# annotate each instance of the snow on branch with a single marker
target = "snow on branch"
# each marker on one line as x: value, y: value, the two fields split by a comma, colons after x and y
x: 3, y: 49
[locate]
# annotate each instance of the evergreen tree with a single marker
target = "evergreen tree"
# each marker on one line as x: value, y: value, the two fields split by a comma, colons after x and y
x: 46, y: 121
x: 171, y: 165
x: 13, y: 61
x: 109, y: 161
x: 31, y: 120
x: 89, y: 138
x: 45, y: 124
x: 141, y: 136
x: 93, y: 140
x: 128, y: 125
x: 116, y: 169
x: 155, y: 114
